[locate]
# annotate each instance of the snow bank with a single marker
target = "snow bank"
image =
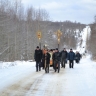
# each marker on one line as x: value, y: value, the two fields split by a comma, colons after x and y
x: 11, y: 72
x: 15, y: 63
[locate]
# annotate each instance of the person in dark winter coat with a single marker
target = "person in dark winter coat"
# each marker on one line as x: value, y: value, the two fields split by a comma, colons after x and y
x: 63, y: 57
x: 77, y: 57
x: 57, y: 59
x: 46, y: 58
x: 38, y: 58
x: 71, y: 58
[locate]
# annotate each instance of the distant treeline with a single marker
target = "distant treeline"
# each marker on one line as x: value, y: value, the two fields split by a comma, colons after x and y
x: 19, y: 27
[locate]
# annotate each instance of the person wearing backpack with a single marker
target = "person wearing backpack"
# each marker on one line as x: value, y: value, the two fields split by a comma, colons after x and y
x: 63, y: 57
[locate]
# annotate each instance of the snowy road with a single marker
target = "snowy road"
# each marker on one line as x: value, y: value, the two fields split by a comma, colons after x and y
x: 79, y: 81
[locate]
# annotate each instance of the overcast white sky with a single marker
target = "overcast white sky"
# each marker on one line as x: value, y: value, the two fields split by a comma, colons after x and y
x: 60, y: 10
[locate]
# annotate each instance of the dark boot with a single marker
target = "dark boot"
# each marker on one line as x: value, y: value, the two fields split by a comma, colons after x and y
x: 36, y: 69
x: 39, y: 66
x: 64, y: 64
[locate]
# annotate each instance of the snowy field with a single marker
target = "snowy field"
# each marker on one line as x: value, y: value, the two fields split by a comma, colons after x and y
x: 21, y: 79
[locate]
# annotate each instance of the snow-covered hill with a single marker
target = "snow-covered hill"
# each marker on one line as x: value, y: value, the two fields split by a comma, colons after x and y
x: 82, y: 39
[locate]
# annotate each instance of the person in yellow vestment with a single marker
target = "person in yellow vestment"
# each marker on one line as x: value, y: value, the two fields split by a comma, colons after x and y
x: 51, y: 59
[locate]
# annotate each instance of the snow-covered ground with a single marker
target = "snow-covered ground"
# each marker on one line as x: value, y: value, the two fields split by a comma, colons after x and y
x: 22, y: 80
x: 13, y: 71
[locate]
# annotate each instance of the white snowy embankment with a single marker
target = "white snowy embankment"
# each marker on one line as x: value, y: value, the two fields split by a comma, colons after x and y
x: 11, y: 64
x: 11, y: 72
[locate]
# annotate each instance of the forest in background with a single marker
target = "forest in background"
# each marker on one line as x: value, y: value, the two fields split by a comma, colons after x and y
x: 91, y: 43
x: 19, y: 27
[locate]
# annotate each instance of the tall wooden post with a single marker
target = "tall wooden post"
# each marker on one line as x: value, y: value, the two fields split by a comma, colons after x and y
x: 39, y: 38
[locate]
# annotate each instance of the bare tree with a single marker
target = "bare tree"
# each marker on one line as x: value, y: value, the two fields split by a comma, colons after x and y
x: 18, y: 28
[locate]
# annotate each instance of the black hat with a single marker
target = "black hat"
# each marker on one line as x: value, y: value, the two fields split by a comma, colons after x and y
x: 51, y: 50
x: 56, y: 48
x: 37, y: 47
x: 70, y: 49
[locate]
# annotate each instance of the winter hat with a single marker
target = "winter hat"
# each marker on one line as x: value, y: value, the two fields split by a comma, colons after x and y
x: 56, y: 48
x: 51, y: 50
x: 37, y: 47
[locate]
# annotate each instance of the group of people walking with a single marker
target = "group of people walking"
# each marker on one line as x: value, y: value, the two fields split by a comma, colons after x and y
x: 45, y: 58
